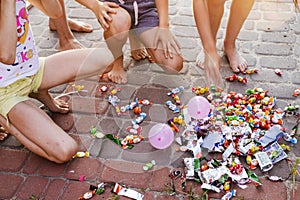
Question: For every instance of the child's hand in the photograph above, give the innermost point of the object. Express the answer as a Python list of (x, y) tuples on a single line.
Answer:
[(166, 41), (212, 69), (52, 8), (103, 12)]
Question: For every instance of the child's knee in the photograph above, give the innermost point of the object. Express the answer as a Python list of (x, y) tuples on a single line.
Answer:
[(121, 21), (66, 152), (172, 65)]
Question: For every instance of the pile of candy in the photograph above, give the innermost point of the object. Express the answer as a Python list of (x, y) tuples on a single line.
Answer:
[(239, 126)]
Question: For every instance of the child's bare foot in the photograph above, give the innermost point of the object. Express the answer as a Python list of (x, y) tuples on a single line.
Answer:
[(54, 105), (236, 61), (69, 43), (3, 134), (200, 59), (117, 74), (74, 25), (140, 54)]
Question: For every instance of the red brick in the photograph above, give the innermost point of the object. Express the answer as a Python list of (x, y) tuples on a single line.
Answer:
[(74, 190), (89, 105), (33, 164), (159, 179), (166, 197), (49, 168), (12, 160), (127, 173), (83, 141), (84, 123), (54, 189), (33, 186), (89, 167), (9, 184), (89, 87), (294, 193), (268, 191), (65, 121)]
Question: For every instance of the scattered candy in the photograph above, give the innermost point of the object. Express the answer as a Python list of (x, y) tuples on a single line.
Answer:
[(81, 154), (235, 77), (296, 92), (278, 72), (149, 165), (250, 71), (123, 191), (78, 87), (200, 90), (81, 178), (172, 107)]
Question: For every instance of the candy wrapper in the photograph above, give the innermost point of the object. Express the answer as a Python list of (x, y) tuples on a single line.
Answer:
[(275, 152), (264, 161), (123, 191)]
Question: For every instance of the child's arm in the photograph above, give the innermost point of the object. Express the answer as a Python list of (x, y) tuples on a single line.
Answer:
[(169, 44), (102, 10), (52, 8), (8, 31)]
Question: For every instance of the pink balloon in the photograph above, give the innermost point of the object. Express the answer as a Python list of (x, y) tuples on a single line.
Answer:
[(198, 107), (161, 136)]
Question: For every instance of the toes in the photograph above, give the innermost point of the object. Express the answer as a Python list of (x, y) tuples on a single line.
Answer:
[(235, 69), (243, 66)]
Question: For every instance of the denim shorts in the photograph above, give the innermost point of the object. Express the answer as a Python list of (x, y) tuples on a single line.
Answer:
[(19, 91), (147, 16)]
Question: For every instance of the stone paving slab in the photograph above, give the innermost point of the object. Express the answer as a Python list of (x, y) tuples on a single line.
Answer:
[(269, 40)]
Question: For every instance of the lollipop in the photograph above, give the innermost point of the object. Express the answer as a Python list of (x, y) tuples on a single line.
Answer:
[(161, 136), (198, 107)]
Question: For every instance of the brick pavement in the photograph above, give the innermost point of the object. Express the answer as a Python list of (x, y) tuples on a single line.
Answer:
[(269, 39)]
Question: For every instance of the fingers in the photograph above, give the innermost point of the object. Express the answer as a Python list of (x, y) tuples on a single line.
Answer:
[(112, 4)]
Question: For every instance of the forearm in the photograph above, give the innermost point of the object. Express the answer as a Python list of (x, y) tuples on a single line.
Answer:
[(51, 8), (8, 31), (90, 4), (163, 12), (203, 25)]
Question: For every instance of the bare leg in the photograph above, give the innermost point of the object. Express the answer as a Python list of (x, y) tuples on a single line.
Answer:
[(118, 29), (39, 133), (74, 25), (66, 37), (75, 65), (208, 16), (170, 65), (208, 24), (138, 50), (36, 130), (238, 13)]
